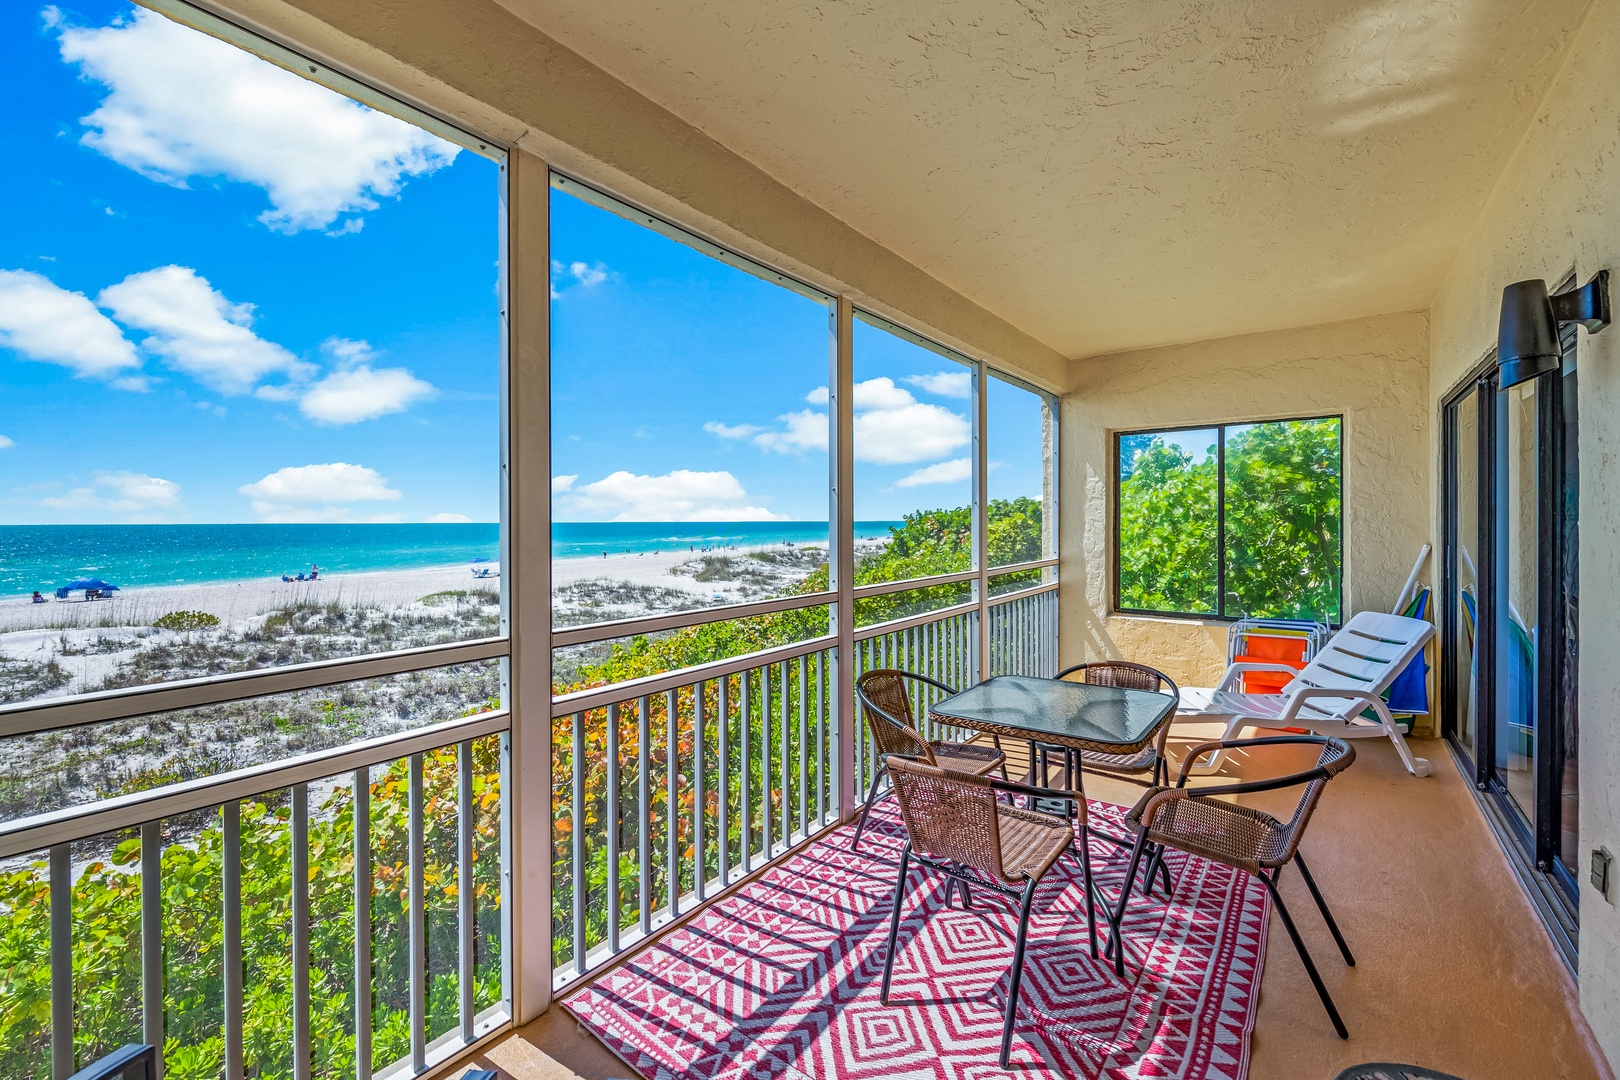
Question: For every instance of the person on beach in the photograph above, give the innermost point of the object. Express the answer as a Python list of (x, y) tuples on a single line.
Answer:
[(39, 598)]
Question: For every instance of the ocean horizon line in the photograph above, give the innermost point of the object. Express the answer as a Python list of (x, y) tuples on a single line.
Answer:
[(134, 556)]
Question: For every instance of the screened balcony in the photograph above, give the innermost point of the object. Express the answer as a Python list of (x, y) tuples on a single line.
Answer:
[(630, 387)]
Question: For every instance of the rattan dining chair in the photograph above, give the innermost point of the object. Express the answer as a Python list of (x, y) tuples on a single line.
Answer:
[(886, 702), (1193, 820), (956, 826), (1150, 759)]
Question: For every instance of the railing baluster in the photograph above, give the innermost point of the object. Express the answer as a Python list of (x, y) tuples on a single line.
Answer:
[(672, 812), (61, 871), (804, 745), (303, 1055), (576, 831), (787, 745), (700, 857), (362, 924), (745, 803), (821, 741), (644, 815), (767, 775), (418, 918), (610, 819), (152, 939), (723, 777), (231, 934), (466, 925)]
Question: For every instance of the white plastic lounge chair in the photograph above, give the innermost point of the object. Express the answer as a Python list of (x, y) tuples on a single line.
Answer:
[(1329, 696)]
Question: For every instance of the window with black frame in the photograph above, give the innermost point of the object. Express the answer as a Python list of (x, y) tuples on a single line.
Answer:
[(1230, 520)]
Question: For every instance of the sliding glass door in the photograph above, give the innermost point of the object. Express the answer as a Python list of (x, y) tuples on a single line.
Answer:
[(1512, 593)]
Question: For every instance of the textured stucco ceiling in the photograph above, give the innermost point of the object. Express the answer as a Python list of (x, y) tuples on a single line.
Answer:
[(1113, 175)]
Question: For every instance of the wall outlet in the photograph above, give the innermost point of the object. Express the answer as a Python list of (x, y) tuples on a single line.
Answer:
[(1602, 872)]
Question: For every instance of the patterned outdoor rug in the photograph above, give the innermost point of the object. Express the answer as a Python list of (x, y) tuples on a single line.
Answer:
[(781, 980)]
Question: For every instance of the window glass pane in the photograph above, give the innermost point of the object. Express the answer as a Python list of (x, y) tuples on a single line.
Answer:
[(913, 449), (1168, 521), (689, 424), (231, 296), (1019, 442), (54, 769), (1282, 520)]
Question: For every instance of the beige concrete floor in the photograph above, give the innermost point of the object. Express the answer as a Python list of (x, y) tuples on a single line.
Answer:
[(1453, 972)]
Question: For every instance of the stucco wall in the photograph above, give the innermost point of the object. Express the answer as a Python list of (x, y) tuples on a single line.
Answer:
[(479, 65), (1372, 371), (1557, 208)]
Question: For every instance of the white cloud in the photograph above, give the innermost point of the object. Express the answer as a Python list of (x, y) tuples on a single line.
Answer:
[(448, 519), (5, 443), (946, 472), (195, 329), (42, 321), (954, 384), (801, 431), (131, 494), (318, 492), (181, 104), (878, 393), (357, 391), (731, 431), (586, 275), (563, 483), (891, 427), (681, 495), (909, 434)]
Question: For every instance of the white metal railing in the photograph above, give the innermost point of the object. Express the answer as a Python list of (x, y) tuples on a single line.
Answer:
[(409, 819), (671, 788), (668, 790)]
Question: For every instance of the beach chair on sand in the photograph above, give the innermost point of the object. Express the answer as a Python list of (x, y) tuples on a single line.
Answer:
[(1333, 693)]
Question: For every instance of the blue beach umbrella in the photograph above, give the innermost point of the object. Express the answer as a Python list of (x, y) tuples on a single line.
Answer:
[(79, 584)]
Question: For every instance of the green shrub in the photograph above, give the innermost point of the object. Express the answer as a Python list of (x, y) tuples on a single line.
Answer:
[(186, 621)]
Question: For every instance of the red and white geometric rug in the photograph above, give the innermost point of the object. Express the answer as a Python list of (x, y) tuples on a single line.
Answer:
[(781, 979)]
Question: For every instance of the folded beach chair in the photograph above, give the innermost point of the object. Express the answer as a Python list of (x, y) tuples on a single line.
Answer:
[(1334, 692)]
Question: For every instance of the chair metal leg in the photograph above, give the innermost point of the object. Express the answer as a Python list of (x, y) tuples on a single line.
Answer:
[(1116, 935), (1321, 905), (894, 921), (1017, 971), (1084, 857), (1305, 957), (995, 740), (871, 797), (967, 897), (1157, 867)]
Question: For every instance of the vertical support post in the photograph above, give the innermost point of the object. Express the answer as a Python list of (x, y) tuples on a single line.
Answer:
[(362, 923), (526, 781), (576, 838), (784, 682), (61, 871), (303, 1056), (611, 821), (672, 776), (723, 778), (804, 746), (766, 772), (230, 874), (981, 514), (466, 915), (643, 817), (152, 939), (700, 862), (841, 552), (417, 858), (745, 807)]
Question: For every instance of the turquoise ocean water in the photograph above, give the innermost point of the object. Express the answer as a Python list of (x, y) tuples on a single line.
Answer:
[(44, 557)]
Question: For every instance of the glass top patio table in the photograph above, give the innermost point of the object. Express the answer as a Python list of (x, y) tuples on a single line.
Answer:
[(1101, 719)]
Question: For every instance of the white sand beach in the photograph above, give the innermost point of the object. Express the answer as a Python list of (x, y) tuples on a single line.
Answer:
[(640, 582)]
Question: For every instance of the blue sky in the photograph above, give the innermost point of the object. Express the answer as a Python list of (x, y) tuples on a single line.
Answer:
[(687, 388), (227, 294), (140, 385)]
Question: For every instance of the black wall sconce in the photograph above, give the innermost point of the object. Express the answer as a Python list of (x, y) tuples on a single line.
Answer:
[(1527, 338)]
